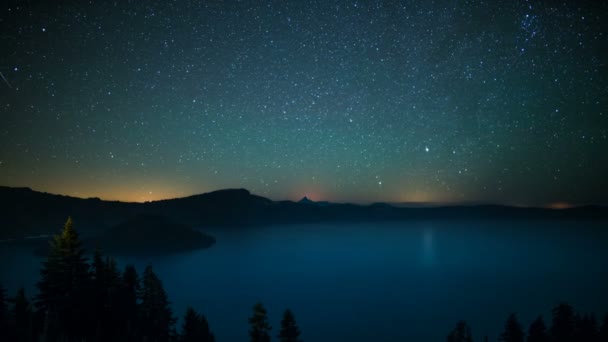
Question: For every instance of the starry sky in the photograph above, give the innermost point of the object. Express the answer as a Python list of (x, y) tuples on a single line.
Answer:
[(361, 101)]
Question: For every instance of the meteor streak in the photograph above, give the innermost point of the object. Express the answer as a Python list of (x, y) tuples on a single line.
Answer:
[(5, 80)]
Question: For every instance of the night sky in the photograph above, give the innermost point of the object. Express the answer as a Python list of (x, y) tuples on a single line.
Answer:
[(362, 101)]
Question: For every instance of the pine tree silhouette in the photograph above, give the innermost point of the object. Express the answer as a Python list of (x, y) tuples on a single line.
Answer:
[(259, 328), (289, 329), (130, 292), (112, 322), (538, 331), (99, 292), (586, 328), (22, 317), (604, 329), (3, 315), (195, 328), (462, 333), (562, 328), (206, 334), (156, 316), (190, 328), (513, 330), (63, 288)]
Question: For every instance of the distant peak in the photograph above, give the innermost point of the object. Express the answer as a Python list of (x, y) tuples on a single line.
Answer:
[(306, 200)]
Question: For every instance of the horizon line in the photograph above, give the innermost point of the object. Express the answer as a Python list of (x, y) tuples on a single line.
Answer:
[(553, 205)]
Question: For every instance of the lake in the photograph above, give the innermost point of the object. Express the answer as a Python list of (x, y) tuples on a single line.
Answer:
[(380, 281)]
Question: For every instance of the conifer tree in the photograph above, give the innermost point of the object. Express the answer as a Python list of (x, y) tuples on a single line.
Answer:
[(22, 318), (462, 333), (113, 285), (538, 331), (513, 330), (63, 288), (562, 328), (195, 328), (206, 334), (130, 292), (604, 329), (3, 314), (259, 330), (156, 316), (586, 328), (114, 324), (99, 292), (98, 267), (190, 327), (289, 329)]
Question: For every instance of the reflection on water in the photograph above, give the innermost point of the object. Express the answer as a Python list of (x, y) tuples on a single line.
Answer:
[(381, 282), (427, 246)]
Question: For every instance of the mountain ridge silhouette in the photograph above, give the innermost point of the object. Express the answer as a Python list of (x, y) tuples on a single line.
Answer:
[(28, 212)]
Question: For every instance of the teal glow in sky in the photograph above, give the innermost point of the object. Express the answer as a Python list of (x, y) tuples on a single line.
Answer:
[(423, 101)]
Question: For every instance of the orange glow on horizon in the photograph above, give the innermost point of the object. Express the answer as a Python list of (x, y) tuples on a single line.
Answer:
[(560, 205), (422, 197), (153, 191)]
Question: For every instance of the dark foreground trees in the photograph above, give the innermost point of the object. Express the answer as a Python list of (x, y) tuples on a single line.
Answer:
[(513, 331), (564, 320), (82, 301), (196, 328), (566, 326), (604, 329), (21, 318), (156, 318), (259, 328), (63, 300), (289, 329), (538, 331), (92, 301), (78, 301), (462, 333), (3, 312)]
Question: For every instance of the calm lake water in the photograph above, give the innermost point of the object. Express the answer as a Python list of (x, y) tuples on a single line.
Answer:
[(378, 282)]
